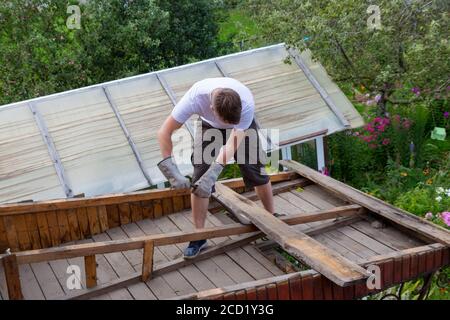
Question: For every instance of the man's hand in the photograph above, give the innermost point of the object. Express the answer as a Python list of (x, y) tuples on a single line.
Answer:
[(202, 188), (171, 172)]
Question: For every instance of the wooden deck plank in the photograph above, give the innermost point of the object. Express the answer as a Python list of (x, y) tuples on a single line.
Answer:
[(233, 270), (378, 234), (347, 237), (190, 272), (47, 280), (386, 210), (250, 249), (160, 286), (30, 286), (335, 267)]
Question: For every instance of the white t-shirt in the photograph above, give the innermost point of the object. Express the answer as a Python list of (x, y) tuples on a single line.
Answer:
[(198, 101)]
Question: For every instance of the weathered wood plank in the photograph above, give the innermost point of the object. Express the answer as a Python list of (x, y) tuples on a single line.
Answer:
[(33, 231), (335, 267), (74, 227), (103, 218), (376, 205), (113, 215), (83, 222), (90, 267), (94, 224), (147, 263), (12, 276), (44, 232)]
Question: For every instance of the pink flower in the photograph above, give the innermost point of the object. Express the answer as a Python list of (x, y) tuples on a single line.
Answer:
[(446, 114), (397, 118), (429, 216), (416, 91), (446, 217), (406, 123), (386, 141)]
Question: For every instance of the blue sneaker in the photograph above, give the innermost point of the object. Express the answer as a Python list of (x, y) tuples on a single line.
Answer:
[(194, 249)]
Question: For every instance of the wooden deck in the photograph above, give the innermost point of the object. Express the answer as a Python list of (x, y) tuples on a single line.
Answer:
[(357, 240)]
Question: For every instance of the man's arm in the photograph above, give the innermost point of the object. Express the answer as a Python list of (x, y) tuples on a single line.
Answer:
[(167, 165), (165, 136)]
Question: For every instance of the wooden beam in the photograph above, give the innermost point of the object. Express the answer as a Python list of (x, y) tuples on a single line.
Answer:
[(253, 284), (62, 204), (90, 267), (134, 148), (208, 253), (165, 267), (147, 263), (86, 249), (338, 269), (386, 210), (12, 277)]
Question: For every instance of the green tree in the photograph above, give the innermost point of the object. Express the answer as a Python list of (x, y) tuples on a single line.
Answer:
[(40, 55), (411, 49)]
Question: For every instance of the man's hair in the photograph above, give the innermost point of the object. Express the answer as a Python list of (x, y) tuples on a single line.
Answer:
[(228, 105)]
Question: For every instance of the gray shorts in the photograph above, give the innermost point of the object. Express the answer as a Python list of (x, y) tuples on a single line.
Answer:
[(252, 167)]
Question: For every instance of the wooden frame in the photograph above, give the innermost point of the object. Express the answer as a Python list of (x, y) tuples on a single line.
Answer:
[(428, 258)]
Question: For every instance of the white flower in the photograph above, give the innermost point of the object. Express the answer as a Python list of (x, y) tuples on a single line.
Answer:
[(438, 198), (440, 190)]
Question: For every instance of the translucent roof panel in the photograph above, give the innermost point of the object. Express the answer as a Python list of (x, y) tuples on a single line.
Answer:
[(93, 149), (26, 169), (95, 153), (144, 105), (285, 99)]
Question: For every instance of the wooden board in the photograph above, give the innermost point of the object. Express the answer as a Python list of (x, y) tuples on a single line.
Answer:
[(335, 267), (376, 205)]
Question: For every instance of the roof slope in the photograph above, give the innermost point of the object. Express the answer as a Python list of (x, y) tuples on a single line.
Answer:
[(102, 139)]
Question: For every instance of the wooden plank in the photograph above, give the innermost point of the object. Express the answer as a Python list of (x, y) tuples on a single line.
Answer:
[(12, 276), (3, 237), (147, 209), (396, 215), (44, 232), (147, 263), (109, 199), (22, 232), (178, 204), (90, 267), (71, 251), (83, 222), (103, 218), (167, 205), (74, 227), (335, 267), (113, 215), (63, 224), (53, 228), (164, 268), (283, 290), (136, 211), (94, 224), (124, 213), (158, 209), (33, 230)]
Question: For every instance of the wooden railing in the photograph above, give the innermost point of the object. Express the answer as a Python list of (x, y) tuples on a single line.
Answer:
[(11, 261)]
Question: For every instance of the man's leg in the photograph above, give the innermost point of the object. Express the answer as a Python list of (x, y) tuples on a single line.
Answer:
[(265, 194), (199, 210)]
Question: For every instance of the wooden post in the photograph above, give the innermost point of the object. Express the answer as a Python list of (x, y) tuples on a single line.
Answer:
[(147, 263), (12, 277), (90, 267)]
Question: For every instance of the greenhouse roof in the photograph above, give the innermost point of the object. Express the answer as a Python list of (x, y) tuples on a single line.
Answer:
[(102, 139)]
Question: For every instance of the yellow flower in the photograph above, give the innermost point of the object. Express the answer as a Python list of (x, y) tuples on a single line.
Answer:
[(429, 181), (403, 174), (426, 171)]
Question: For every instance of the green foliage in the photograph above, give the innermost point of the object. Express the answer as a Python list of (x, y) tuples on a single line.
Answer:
[(118, 38), (410, 49)]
